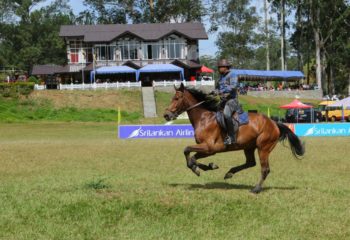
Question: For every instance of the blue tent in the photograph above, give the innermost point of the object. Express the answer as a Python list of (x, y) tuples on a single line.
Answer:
[(159, 68), (268, 74), (113, 70)]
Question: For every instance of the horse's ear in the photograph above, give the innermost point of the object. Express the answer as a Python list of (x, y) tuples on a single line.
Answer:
[(182, 87)]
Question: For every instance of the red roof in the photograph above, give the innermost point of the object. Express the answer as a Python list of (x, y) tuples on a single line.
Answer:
[(205, 69), (295, 104)]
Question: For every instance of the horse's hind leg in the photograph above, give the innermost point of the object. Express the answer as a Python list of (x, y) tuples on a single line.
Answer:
[(265, 169), (250, 162)]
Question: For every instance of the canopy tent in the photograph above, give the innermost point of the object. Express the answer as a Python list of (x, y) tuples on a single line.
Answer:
[(112, 70), (160, 68), (345, 103), (252, 75), (296, 104), (205, 69)]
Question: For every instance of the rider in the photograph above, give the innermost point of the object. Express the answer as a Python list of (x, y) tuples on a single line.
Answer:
[(227, 87)]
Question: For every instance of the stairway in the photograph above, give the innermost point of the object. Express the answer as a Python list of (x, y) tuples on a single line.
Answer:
[(149, 103)]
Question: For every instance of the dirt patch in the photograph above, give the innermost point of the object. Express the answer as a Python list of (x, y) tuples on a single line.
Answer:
[(129, 100)]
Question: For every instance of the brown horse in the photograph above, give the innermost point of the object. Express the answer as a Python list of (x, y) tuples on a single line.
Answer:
[(260, 133)]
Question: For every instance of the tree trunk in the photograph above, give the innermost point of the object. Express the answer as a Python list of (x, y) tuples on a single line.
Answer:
[(331, 80), (299, 26), (282, 36), (349, 86), (315, 21), (325, 85), (151, 7), (267, 35)]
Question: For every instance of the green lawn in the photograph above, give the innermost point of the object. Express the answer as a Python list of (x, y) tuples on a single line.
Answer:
[(102, 106), (78, 181)]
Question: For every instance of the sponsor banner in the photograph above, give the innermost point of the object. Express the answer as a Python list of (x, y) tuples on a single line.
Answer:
[(156, 131), (322, 129), (186, 130)]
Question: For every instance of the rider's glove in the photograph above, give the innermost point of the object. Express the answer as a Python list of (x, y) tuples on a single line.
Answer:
[(213, 93)]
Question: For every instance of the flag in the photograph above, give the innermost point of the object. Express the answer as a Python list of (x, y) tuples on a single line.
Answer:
[(119, 116)]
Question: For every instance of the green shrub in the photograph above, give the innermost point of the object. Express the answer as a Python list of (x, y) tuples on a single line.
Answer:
[(34, 80), (17, 89)]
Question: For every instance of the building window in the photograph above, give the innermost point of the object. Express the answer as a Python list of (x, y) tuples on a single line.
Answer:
[(74, 56), (175, 48)]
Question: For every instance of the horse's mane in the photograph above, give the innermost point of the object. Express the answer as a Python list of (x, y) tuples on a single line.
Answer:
[(210, 103)]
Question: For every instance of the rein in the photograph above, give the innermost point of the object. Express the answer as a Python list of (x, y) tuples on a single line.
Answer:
[(194, 106)]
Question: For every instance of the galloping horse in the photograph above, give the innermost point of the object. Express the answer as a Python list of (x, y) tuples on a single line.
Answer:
[(260, 133)]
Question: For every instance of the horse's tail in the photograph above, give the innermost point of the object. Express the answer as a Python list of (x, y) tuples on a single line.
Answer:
[(297, 147)]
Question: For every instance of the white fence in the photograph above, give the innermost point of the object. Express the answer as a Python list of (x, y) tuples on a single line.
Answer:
[(186, 83), (125, 85), (93, 86)]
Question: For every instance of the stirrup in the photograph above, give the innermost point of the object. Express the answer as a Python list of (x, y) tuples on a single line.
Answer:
[(229, 140)]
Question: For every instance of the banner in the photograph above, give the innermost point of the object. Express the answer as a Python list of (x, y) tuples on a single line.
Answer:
[(186, 130), (156, 131), (322, 129)]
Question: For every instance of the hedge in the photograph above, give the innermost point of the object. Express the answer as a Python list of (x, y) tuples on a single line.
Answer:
[(16, 89)]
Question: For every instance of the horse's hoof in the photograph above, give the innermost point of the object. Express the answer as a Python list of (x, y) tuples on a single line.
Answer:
[(228, 175), (256, 189), (196, 171), (213, 166)]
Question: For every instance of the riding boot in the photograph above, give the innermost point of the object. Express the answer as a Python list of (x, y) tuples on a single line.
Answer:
[(231, 136)]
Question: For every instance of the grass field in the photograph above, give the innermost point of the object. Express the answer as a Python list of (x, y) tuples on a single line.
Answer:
[(103, 105), (78, 181)]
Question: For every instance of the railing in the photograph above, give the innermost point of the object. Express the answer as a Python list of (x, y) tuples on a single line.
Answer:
[(126, 85), (94, 86), (39, 87), (186, 83)]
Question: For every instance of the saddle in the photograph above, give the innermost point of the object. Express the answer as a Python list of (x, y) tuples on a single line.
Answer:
[(241, 117)]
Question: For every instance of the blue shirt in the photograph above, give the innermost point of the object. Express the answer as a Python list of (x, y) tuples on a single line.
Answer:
[(227, 83)]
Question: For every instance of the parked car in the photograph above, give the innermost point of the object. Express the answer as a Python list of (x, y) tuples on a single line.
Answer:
[(303, 115)]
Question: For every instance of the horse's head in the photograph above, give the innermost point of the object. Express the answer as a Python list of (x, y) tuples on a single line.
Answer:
[(178, 104)]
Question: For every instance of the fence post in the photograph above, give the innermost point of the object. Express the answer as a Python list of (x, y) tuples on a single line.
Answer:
[(117, 84), (106, 86), (60, 86), (71, 86), (129, 84)]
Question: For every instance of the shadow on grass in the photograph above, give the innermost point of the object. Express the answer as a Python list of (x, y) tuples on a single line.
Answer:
[(225, 186)]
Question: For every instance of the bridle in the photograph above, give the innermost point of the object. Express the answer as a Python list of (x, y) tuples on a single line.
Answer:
[(194, 106), (189, 108)]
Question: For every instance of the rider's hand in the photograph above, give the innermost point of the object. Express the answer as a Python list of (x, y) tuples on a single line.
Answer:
[(213, 93)]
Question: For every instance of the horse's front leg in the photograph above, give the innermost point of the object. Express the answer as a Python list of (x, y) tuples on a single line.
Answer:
[(210, 166), (201, 150)]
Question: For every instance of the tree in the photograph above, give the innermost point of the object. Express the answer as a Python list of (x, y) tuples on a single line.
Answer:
[(330, 24), (236, 22), (34, 38), (146, 11)]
